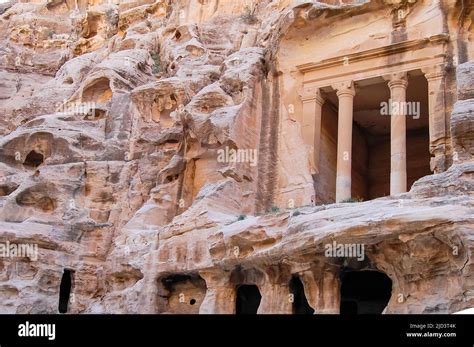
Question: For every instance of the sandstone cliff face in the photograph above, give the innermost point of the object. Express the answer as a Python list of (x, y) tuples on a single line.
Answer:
[(115, 116)]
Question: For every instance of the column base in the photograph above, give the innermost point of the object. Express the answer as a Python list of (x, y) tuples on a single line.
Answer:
[(398, 183), (343, 188)]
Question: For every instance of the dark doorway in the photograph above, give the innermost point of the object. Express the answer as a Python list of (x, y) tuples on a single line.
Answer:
[(248, 299), (300, 304), (364, 292), (65, 291)]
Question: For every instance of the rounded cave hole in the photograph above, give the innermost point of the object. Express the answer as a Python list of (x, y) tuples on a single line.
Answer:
[(192, 301), (46, 204), (68, 80), (95, 114), (33, 159), (171, 178), (8, 188), (364, 292), (37, 197), (98, 91)]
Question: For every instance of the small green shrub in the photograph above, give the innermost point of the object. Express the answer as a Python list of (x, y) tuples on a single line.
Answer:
[(241, 217), (273, 209), (156, 68)]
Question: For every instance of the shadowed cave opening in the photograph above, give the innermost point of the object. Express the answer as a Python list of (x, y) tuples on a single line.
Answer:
[(65, 291), (97, 91), (248, 299), (364, 292), (8, 188), (300, 303), (38, 197), (162, 109), (33, 159), (94, 22)]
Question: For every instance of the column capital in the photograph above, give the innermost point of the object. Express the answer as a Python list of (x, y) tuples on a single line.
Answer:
[(215, 277), (276, 274), (397, 79), (344, 88), (309, 94), (434, 72)]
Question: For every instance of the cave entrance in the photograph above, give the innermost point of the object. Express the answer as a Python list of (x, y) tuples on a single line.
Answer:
[(364, 292), (248, 299), (65, 291), (33, 159), (184, 293), (300, 303)]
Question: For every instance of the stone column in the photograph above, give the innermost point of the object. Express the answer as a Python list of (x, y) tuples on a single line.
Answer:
[(275, 291), (437, 116), (311, 124), (276, 299), (322, 289), (398, 137), (345, 93), (220, 295)]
